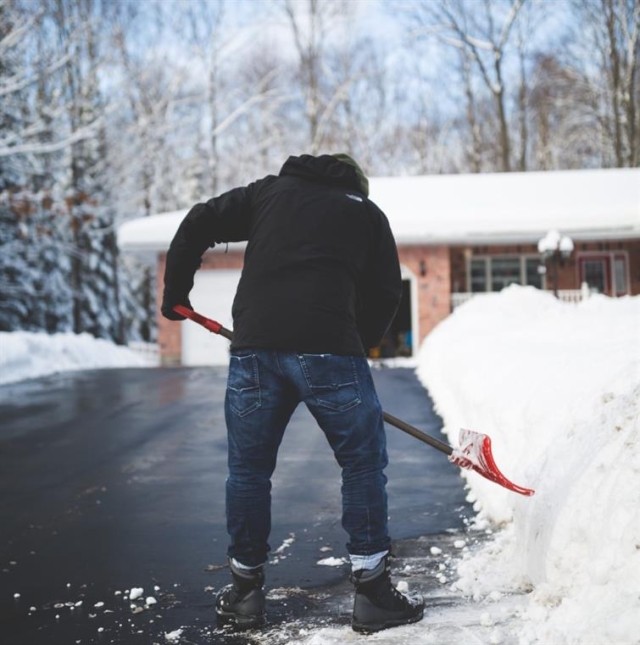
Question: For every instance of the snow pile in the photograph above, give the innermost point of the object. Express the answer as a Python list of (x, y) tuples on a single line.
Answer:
[(557, 387), (26, 355)]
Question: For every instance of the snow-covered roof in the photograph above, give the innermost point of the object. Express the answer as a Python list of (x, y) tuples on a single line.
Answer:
[(490, 208), (153, 233)]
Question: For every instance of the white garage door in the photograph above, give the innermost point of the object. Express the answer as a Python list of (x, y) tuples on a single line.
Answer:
[(212, 296)]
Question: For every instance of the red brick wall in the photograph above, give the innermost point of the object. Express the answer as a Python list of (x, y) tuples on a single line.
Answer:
[(432, 269)]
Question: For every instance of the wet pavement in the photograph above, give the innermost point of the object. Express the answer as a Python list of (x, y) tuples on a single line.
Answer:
[(113, 480)]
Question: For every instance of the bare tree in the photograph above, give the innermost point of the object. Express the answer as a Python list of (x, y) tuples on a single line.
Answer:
[(364, 108), (542, 103), (39, 61), (150, 90), (521, 101), (206, 39), (474, 149), (481, 31), (610, 29), (308, 21), (264, 126), (562, 116), (313, 23)]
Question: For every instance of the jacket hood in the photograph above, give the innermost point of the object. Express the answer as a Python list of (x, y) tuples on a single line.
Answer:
[(326, 169)]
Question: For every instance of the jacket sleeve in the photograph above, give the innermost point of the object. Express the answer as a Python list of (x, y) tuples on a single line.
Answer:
[(382, 287), (222, 219)]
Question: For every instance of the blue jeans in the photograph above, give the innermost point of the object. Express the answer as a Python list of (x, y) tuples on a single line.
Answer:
[(263, 390)]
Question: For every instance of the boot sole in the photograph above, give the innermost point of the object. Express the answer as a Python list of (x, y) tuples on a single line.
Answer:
[(371, 628), (240, 623)]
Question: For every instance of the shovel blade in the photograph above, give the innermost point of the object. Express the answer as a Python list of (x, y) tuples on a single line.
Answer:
[(475, 454)]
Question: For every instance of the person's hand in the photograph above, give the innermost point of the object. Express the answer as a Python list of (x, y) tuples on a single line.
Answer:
[(168, 305)]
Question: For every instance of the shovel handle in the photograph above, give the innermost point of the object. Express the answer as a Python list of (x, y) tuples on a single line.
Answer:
[(417, 434), (476, 455), (212, 325)]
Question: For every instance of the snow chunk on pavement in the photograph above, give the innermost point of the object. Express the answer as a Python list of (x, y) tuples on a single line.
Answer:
[(331, 562), (286, 544)]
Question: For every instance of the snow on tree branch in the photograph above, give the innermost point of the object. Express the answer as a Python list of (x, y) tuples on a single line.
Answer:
[(56, 146)]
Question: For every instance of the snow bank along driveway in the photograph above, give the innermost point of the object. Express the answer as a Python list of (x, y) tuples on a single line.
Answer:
[(557, 387)]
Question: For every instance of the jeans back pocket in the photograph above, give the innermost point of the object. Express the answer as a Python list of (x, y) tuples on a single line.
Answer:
[(243, 384), (332, 380)]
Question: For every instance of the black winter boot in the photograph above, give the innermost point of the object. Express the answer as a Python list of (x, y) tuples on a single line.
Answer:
[(378, 604), (242, 604)]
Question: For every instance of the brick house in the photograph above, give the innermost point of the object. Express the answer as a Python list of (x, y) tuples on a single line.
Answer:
[(458, 236)]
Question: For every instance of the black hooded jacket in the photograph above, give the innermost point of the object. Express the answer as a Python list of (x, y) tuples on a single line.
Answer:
[(321, 271)]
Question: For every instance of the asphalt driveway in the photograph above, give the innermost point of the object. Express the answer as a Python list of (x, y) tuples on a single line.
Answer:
[(113, 480)]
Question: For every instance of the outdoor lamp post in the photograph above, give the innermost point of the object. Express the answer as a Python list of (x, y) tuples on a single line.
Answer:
[(555, 248)]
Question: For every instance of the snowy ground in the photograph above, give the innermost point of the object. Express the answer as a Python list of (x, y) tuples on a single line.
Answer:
[(557, 387), (26, 355)]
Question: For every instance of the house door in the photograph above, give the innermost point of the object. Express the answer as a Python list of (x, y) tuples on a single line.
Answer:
[(398, 341), (605, 272), (620, 272)]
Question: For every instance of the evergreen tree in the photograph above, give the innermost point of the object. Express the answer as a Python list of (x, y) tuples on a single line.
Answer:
[(94, 260), (33, 269)]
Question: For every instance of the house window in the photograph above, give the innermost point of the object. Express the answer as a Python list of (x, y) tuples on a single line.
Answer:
[(497, 272), (605, 273), (505, 271), (478, 275), (533, 276)]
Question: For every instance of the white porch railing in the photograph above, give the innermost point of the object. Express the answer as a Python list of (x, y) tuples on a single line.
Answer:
[(572, 295), (566, 295)]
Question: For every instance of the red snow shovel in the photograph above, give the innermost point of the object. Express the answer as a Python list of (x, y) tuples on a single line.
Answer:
[(474, 452)]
